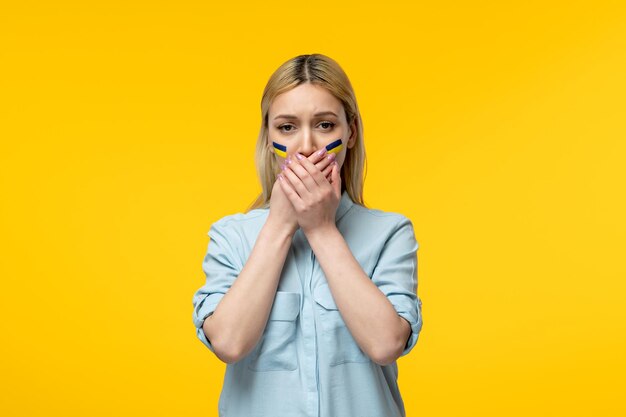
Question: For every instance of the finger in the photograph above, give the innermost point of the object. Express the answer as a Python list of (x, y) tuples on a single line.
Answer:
[(336, 180), (288, 189), (321, 160), (304, 173), (295, 181), (315, 157), (327, 171), (314, 171)]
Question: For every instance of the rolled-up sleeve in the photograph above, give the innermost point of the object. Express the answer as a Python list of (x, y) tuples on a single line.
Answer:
[(221, 268), (395, 274)]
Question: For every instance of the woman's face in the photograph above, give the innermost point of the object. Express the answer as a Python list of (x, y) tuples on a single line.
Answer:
[(307, 118)]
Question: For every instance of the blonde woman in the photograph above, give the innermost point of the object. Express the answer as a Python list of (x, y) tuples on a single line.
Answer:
[(310, 296)]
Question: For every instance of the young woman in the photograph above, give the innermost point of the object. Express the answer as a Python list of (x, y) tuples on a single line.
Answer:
[(310, 296)]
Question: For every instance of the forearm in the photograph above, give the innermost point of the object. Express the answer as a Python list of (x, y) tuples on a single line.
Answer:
[(238, 322), (368, 314)]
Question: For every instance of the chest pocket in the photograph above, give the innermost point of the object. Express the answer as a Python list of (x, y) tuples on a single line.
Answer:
[(276, 351), (340, 344)]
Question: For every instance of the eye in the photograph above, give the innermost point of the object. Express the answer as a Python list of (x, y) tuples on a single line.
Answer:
[(285, 125), (328, 123)]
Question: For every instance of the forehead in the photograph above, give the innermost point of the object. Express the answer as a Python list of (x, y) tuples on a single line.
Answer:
[(305, 99)]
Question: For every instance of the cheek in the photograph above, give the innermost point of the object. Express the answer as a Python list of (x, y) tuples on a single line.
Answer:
[(340, 160), (279, 151), (278, 160), (342, 157)]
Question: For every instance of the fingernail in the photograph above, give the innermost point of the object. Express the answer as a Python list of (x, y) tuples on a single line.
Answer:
[(287, 161), (322, 152), (299, 156), (331, 157), (282, 166)]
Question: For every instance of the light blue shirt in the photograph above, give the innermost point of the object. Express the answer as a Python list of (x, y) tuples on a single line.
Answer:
[(307, 363)]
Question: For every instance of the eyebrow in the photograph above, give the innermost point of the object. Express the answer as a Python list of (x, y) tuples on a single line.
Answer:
[(291, 116)]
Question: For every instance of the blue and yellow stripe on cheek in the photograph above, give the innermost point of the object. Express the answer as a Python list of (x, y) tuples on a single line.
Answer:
[(334, 147), (280, 150)]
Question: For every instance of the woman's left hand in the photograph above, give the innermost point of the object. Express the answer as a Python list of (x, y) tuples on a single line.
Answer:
[(313, 197)]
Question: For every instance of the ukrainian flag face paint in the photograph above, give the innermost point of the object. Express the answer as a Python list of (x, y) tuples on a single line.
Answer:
[(333, 147), (280, 150)]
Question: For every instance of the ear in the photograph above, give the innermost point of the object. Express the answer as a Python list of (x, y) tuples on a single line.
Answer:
[(353, 132), (270, 147)]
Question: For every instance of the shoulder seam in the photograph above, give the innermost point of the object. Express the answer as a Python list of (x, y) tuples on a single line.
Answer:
[(232, 217), (381, 213)]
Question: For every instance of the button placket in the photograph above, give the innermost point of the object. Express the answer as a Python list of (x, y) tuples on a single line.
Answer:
[(303, 254)]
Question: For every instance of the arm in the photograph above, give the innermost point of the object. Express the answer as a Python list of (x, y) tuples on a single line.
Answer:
[(382, 313), (234, 320)]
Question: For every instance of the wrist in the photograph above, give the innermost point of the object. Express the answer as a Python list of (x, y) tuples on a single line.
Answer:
[(278, 230), (321, 232)]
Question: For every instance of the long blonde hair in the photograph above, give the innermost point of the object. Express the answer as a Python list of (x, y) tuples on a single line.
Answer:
[(320, 70)]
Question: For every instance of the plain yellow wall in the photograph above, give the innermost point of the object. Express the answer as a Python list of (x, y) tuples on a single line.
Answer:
[(127, 128)]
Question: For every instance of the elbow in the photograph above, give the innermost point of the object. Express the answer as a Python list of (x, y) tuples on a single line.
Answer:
[(227, 356), (386, 355), (386, 358), (225, 352), (389, 352), (221, 348)]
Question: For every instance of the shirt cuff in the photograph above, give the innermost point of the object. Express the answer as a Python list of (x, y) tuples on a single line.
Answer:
[(415, 320), (206, 309)]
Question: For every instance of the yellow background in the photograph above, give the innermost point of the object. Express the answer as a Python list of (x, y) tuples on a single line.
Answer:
[(127, 128)]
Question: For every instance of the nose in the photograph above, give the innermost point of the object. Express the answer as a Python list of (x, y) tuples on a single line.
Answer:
[(307, 145)]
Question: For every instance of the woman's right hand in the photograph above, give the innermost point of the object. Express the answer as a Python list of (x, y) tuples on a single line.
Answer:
[(282, 212)]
